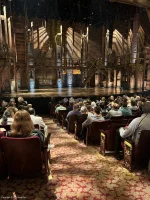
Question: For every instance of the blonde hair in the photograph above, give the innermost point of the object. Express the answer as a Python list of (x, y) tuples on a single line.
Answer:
[(22, 124), (20, 99)]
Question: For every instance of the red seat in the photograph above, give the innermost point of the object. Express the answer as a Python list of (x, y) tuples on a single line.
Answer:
[(137, 155), (93, 131), (23, 155), (2, 165), (80, 120), (108, 138), (71, 123), (61, 116)]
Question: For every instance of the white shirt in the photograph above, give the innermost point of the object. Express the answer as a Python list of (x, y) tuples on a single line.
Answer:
[(38, 120)]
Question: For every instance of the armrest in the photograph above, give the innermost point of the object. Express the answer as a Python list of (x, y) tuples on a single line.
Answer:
[(89, 129), (47, 140)]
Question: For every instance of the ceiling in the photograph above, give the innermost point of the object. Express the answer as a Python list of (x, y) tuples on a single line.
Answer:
[(140, 3), (95, 12)]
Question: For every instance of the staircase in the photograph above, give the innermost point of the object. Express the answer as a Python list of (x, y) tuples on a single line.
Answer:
[(21, 49), (94, 67)]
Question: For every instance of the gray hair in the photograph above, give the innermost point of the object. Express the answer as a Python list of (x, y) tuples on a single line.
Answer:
[(83, 109)]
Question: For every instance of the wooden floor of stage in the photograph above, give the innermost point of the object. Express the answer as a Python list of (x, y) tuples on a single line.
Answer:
[(68, 92)]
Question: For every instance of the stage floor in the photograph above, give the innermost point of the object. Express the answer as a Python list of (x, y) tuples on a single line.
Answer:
[(68, 92)]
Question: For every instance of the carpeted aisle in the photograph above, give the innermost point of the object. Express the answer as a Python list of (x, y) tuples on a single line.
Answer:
[(81, 173)]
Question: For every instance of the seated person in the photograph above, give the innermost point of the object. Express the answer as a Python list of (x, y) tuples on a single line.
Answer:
[(60, 107), (133, 106), (12, 103), (3, 107), (22, 126), (114, 112), (89, 110), (125, 110), (21, 102), (75, 111), (134, 129), (83, 111), (97, 117), (8, 115), (37, 120)]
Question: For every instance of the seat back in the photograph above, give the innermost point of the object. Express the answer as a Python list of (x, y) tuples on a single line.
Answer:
[(142, 150), (117, 120), (61, 114), (2, 164), (71, 123), (22, 155), (93, 131), (80, 120), (110, 136)]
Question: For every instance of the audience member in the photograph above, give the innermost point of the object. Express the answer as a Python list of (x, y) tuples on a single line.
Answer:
[(134, 129), (125, 110), (96, 117), (22, 126), (115, 111), (60, 107), (75, 111), (8, 115), (37, 120)]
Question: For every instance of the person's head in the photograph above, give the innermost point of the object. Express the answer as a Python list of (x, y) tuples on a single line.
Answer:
[(4, 103), (61, 103), (93, 104), (75, 107), (124, 104), (146, 107), (133, 103), (80, 104), (115, 106), (89, 108), (88, 102), (111, 98), (83, 110), (22, 124), (20, 99), (31, 111), (102, 105), (12, 102), (29, 106), (97, 110), (103, 99)]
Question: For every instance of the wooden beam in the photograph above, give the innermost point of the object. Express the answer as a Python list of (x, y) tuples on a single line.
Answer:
[(5, 24), (9, 32)]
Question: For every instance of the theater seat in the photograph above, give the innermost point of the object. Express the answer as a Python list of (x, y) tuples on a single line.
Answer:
[(71, 123), (2, 165), (80, 120), (107, 142), (137, 156), (23, 156), (93, 132)]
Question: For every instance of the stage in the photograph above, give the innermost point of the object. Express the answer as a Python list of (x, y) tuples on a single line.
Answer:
[(40, 98), (71, 92)]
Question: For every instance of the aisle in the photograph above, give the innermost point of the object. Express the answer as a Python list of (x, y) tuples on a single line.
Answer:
[(81, 173)]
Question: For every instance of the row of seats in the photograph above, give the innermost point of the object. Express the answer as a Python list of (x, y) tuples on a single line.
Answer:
[(103, 134)]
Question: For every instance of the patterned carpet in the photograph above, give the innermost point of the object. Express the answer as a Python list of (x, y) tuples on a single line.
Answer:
[(80, 173)]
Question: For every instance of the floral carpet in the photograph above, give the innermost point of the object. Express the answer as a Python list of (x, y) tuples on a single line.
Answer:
[(79, 173)]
